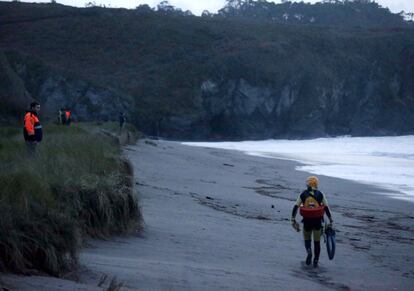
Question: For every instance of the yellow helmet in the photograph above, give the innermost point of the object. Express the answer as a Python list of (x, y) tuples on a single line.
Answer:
[(312, 181)]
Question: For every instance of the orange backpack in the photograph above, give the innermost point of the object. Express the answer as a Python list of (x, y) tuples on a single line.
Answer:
[(312, 206)]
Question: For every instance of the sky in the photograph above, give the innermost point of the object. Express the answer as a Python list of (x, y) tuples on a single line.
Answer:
[(197, 6)]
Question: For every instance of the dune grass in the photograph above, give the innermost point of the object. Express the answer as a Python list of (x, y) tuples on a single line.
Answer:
[(76, 186), (127, 135)]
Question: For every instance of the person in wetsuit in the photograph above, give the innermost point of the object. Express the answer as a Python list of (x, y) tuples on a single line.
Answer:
[(313, 205)]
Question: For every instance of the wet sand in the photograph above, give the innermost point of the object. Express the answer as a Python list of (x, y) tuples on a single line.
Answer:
[(210, 225)]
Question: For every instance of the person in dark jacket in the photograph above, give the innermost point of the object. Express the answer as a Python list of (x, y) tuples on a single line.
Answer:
[(122, 120), (32, 130)]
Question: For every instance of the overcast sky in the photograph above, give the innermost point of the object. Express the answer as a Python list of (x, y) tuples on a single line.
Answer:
[(197, 6)]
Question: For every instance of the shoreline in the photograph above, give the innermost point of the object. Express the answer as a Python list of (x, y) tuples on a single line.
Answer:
[(209, 224), (386, 191), (386, 162)]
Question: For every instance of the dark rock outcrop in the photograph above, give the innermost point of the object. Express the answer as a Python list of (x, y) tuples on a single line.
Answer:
[(238, 110), (14, 97), (28, 78)]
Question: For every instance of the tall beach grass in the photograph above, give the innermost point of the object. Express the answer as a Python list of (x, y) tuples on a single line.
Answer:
[(76, 186)]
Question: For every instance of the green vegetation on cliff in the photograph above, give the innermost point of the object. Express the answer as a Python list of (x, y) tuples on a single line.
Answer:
[(77, 186)]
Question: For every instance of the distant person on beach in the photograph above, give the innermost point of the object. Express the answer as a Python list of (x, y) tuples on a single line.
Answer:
[(32, 130), (313, 205), (122, 120)]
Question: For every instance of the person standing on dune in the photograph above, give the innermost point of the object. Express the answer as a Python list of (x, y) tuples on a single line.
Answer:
[(68, 115), (122, 120), (313, 205), (32, 130)]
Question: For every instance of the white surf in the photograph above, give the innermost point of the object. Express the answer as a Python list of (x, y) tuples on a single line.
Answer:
[(383, 161)]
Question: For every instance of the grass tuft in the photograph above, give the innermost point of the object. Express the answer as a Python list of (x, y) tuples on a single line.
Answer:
[(76, 186)]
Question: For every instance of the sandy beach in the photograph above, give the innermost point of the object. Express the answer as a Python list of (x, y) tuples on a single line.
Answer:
[(210, 225)]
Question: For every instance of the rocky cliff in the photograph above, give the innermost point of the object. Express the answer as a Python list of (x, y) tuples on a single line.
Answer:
[(27, 78), (187, 77)]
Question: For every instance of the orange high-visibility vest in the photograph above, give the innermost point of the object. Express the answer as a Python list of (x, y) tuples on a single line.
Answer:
[(32, 130), (29, 123)]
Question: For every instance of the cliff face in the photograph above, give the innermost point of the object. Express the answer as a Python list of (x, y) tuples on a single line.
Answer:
[(27, 78), (13, 94), (368, 94), (221, 77), (236, 109)]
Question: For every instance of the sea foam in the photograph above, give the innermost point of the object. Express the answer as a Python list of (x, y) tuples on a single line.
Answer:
[(387, 162)]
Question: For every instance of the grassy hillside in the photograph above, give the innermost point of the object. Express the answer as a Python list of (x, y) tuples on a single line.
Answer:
[(77, 186), (161, 61)]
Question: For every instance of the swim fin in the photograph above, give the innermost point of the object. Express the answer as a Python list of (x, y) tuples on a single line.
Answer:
[(330, 242)]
